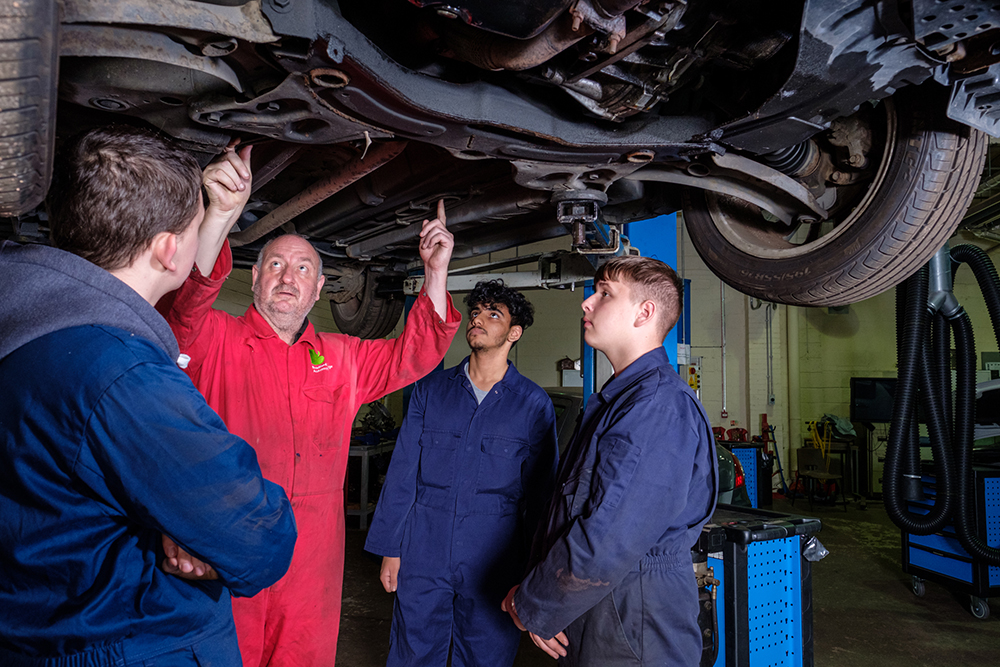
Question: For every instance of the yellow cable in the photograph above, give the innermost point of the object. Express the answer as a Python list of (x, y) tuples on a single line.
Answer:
[(822, 442)]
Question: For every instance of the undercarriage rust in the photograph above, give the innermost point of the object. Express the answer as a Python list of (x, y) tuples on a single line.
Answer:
[(364, 164)]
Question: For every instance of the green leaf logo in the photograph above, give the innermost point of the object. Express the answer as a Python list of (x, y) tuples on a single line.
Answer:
[(316, 357)]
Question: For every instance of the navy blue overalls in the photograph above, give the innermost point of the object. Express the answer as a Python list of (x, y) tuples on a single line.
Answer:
[(634, 489), (465, 489)]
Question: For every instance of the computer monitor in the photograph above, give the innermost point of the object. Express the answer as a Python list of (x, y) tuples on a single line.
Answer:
[(872, 399)]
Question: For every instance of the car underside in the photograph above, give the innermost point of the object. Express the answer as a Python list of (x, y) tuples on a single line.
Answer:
[(820, 151)]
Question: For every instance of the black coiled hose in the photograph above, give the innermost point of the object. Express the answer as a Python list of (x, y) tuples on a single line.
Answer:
[(965, 402), (986, 275), (915, 352), (914, 368), (910, 490), (941, 337)]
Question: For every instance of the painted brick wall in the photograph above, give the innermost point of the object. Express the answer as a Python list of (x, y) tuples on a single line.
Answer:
[(746, 352)]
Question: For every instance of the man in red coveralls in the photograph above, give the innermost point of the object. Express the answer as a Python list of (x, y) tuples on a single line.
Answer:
[(293, 394)]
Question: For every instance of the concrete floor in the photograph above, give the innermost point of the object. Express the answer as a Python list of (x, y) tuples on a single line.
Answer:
[(864, 611)]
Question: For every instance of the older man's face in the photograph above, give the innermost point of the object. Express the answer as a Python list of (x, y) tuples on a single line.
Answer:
[(288, 282)]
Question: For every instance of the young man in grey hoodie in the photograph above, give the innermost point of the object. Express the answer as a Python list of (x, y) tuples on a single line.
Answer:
[(128, 513)]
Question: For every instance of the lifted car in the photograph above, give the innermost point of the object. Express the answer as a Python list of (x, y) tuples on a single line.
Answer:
[(820, 150)]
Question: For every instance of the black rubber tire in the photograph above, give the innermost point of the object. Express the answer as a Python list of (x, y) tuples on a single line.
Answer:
[(926, 187), (368, 315), (29, 62)]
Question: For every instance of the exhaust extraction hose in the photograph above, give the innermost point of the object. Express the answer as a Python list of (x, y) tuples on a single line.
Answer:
[(986, 275), (965, 402), (914, 368), (923, 353)]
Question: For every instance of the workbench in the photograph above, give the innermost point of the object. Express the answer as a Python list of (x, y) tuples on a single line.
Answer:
[(365, 451)]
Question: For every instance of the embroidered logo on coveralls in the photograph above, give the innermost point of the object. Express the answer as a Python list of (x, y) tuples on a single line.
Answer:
[(317, 361)]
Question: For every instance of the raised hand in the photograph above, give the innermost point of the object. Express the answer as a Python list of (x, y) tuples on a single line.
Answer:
[(436, 242), (227, 185), (227, 181)]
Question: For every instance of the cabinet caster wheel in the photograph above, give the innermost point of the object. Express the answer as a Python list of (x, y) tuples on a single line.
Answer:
[(918, 587), (979, 607)]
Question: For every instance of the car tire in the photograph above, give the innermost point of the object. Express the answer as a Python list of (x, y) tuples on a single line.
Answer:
[(367, 315), (29, 60), (928, 172)]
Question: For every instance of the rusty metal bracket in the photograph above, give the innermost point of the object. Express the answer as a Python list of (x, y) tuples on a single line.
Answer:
[(323, 189)]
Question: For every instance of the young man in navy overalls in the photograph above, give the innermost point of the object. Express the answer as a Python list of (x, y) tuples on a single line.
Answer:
[(471, 472), (613, 584)]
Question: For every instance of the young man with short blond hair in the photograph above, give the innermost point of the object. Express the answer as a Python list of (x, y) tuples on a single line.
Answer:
[(613, 584), (109, 457)]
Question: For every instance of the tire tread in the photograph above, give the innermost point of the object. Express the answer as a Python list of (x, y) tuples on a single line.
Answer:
[(950, 162), (28, 71)]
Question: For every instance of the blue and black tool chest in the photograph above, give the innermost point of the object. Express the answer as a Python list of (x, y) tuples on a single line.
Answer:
[(764, 603)]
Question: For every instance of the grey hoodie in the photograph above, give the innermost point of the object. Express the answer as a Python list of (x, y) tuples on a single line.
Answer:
[(43, 290)]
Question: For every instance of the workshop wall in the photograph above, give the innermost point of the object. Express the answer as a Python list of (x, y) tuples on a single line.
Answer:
[(815, 351), (747, 395), (835, 345), (832, 346), (860, 341)]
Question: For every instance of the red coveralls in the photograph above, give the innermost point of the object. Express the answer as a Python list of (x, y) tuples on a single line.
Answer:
[(298, 416)]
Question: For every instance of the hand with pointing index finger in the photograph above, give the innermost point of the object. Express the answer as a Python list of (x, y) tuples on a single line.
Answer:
[(436, 242), (227, 183)]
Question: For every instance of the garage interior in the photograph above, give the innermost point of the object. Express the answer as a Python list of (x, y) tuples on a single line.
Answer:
[(778, 129), (793, 365)]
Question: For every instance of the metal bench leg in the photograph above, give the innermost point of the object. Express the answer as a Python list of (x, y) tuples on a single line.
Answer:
[(364, 491)]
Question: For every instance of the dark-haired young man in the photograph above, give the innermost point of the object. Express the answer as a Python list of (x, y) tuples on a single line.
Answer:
[(105, 446), (472, 468), (613, 584)]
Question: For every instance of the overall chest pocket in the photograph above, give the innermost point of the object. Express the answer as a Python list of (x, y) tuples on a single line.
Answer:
[(437, 458), (500, 466), (321, 404), (616, 467)]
